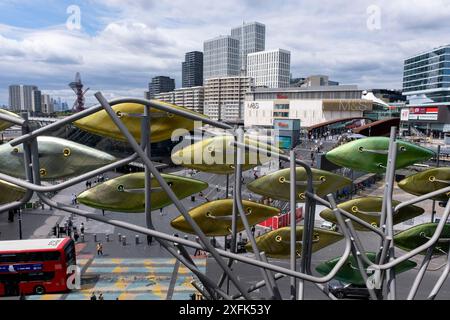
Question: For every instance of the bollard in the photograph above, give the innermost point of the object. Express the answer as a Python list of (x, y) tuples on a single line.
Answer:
[(137, 239), (124, 240), (120, 237), (95, 238), (107, 238)]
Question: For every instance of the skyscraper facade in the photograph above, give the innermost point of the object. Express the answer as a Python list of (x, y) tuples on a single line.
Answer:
[(21, 97), (36, 105), (192, 69), (270, 69), (221, 57), (252, 38), (160, 84), (225, 97), (426, 85)]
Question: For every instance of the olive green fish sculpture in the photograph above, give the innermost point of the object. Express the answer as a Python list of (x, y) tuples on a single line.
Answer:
[(428, 181), (162, 123), (58, 158), (10, 192), (349, 272), (276, 184), (217, 154), (276, 243), (370, 154), (214, 218), (127, 193), (368, 209), (6, 124), (416, 236)]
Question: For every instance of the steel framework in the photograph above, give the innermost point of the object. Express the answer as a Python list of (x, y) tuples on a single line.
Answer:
[(210, 288)]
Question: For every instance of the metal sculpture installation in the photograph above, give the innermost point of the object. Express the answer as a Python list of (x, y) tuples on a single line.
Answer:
[(419, 235), (10, 192), (127, 193), (215, 217), (276, 243), (350, 273), (138, 121), (216, 154), (428, 181), (369, 209), (371, 154), (276, 185), (5, 124), (162, 126), (58, 158)]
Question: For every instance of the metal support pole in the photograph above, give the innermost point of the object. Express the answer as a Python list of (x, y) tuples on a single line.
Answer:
[(238, 201), (433, 209), (293, 206), (441, 280), (423, 268), (173, 280)]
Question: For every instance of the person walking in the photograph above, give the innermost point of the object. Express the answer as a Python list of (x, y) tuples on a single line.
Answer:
[(93, 296), (82, 229), (100, 296), (76, 236), (161, 213), (99, 249)]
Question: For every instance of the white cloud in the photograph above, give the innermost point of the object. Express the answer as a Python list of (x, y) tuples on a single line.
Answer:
[(139, 39)]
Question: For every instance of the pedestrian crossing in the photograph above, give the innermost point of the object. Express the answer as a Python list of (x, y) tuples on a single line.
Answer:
[(130, 279)]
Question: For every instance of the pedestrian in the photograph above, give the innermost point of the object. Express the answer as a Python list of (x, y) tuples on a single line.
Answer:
[(253, 230), (87, 185), (103, 212), (149, 240), (99, 249), (93, 296), (161, 212), (82, 229), (75, 236), (100, 296)]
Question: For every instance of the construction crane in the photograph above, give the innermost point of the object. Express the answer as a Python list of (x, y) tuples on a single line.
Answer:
[(77, 87)]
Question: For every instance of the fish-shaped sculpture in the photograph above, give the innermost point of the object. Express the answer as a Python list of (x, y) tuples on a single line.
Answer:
[(162, 123), (217, 154), (428, 181), (370, 154), (369, 208), (10, 192), (276, 184), (418, 235), (214, 218), (276, 243), (349, 272), (127, 193), (58, 158), (6, 124)]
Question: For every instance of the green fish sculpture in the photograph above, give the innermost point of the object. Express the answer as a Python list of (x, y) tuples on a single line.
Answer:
[(370, 154), (276, 184), (428, 181), (162, 125), (214, 218), (6, 124), (10, 192), (58, 158), (369, 208), (416, 236), (127, 193), (217, 154), (276, 243), (349, 272)]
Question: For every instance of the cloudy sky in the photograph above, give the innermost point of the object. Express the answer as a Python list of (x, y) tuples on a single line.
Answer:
[(121, 44)]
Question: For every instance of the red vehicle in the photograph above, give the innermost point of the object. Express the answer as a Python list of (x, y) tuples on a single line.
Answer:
[(35, 266)]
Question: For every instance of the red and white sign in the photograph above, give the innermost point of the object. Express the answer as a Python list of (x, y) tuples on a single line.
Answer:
[(283, 220), (404, 115)]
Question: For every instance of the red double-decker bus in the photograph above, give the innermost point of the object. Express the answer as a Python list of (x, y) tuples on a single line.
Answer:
[(35, 266)]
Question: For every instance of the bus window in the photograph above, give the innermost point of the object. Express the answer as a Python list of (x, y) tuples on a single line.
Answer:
[(69, 251)]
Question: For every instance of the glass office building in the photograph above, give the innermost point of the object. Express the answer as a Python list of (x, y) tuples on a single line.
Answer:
[(252, 38), (426, 84)]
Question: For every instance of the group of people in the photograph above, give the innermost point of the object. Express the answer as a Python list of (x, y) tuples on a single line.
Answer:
[(100, 178), (94, 297)]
